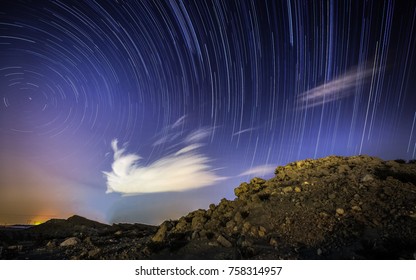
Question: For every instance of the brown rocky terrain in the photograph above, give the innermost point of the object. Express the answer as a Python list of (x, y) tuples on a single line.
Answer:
[(356, 207)]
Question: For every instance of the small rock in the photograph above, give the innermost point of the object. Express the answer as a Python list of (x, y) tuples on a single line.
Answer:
[(224, 242), (246, 227), (331, 196), (238, 217), (198, 222), (287, 189), (298, 190), (257, 180), (319, 251), (230, 225), (356, 208), (254, 231), (367, 178), (340, 211), (70, 242), (273, 242), (261, 233), (195, 234), (119, 232), (161, 233), (51, 244), (92, 253)]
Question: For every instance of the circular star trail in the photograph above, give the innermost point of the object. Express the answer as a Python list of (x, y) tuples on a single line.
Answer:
[(237, 86)]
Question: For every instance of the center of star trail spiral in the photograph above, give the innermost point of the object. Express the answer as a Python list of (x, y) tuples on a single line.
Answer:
[(236, 86)]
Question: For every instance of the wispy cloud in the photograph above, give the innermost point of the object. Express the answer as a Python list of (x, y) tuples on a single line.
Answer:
[(182, 170), (335, 89), (198, 135), (260, 170), (244, 131)]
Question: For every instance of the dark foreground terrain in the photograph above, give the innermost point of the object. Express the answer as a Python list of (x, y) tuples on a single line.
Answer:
[(332, 208)]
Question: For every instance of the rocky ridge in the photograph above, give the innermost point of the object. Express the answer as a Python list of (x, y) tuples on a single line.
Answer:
[(356, 207)]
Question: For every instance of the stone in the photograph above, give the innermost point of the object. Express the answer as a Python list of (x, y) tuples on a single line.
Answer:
[(298, 190), (331, 196), (223, 241), (340, 211), (356, 208), (238, 217), (319, 251), (51, 244), (257, 180), (273, 242), (161, 233), (94, 252), (246, 227), (230, 225), (261, 233), (367, 178), (72, 241), (243, 188), (287, 189), (198, 222)]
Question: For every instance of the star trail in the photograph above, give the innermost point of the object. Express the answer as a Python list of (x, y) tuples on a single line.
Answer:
[(139, 111)]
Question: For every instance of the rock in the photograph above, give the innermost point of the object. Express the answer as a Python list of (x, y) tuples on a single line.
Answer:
[(262, 231), (367, 178), (273, 242), (343, 168), (72, 241), (230, 225), (198, 222), (287, 189), (246, 227), (238, 217), (224, 242), (51, 244), (94, 252), (161, 233), (290, 216), (340, 211), (243, 188), (257, 180), (182, 225)]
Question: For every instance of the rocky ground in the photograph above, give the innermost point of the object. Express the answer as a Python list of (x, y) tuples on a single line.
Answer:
[(356, 207)]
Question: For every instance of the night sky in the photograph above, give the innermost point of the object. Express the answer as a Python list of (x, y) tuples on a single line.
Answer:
[(140, 111)]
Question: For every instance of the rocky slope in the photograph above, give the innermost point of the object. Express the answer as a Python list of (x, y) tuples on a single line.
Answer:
[(356, 207)]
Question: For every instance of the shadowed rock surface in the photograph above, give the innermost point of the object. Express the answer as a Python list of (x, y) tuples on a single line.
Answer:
[(356, 207)]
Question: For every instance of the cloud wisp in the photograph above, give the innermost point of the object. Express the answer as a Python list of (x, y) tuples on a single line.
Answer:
[(183, 170), (260, 170), (334, 90)]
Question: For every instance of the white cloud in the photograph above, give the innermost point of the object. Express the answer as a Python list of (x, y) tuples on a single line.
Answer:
[(243, 131), (335, 89), (260, 170), (198, 135), (184, 170)]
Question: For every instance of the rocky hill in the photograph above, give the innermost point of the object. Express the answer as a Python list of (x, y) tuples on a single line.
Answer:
[(356, 207)]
